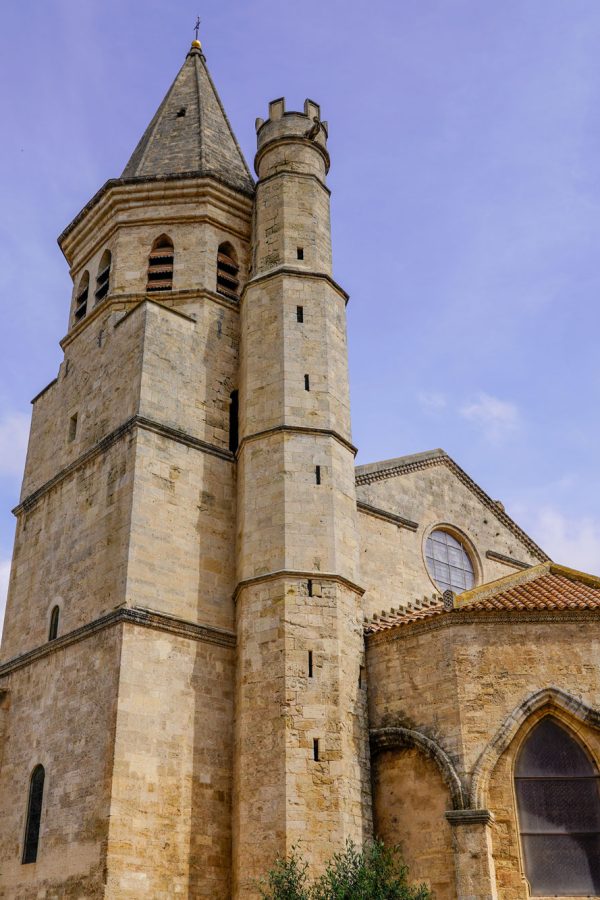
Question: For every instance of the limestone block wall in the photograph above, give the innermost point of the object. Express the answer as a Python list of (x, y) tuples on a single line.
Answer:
[(282, 793), (182, 536), (197, 214), (99, 381), (393, 566), (170, 813), (409, 802), (189, 367), (278, 351), (288, 521), (61, 714), (71, 550), (462, 685)]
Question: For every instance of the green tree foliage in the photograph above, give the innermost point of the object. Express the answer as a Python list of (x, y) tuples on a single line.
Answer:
[(374, 873)]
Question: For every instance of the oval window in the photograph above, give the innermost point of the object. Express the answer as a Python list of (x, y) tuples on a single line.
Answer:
[(448, 562)]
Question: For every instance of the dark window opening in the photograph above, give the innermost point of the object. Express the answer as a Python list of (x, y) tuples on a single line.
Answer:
[(103, 277), (227, 272), (34, 815), (73, 427), (306, 383), (300, 314), (310, 587), (181, 112), (318, 474), (233, 421), (82, 296), (310, 664), (53, 630), (160, 265), (558, 798), (316, 749), (300, 252)]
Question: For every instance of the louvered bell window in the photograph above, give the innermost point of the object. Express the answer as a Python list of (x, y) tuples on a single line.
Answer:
[(82, 297), (227, 272), (558, 797), (103, 277), (160, 266)]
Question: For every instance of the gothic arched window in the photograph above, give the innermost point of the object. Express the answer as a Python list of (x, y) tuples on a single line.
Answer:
[(160, 265), (227, 271), (34, 815), (103, 277), (53, 630), (82, 296), (558, 798)]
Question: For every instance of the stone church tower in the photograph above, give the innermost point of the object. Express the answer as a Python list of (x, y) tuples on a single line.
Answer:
[(223, 639)]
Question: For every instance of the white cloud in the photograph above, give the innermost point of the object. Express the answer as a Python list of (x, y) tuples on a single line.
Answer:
[(496, 418), (570, 541), (432, 401), (14, 431), (4, 573)]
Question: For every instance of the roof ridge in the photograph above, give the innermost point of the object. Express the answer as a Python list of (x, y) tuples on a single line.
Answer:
[(432, 458)]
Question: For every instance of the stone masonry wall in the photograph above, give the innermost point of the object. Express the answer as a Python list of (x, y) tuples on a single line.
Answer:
[(61, 714), (393, 568), (170, 814)]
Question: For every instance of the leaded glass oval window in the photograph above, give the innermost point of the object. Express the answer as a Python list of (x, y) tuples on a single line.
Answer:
[(558, 797), (448, 562)]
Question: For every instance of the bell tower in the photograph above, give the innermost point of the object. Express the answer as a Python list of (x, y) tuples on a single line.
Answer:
[(117, 662), (300, 747)]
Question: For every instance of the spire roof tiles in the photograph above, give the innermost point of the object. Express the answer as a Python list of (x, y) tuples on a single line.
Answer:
[(190, 133)]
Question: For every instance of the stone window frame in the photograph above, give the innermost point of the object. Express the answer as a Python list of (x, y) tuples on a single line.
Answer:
[(570, 724), (464, 539)]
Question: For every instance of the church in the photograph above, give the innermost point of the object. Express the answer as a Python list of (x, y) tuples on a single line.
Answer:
[(224, 639)]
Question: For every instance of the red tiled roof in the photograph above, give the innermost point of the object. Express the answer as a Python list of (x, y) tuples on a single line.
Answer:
[(544, 587)]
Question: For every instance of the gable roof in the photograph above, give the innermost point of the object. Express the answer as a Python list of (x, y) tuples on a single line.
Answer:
[(544, 587), (190, 133), (402, 465)]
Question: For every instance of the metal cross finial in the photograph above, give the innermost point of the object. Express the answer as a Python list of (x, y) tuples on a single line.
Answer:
[(197, 26)]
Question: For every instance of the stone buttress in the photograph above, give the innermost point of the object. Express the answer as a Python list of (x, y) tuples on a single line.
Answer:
[(301, 751)]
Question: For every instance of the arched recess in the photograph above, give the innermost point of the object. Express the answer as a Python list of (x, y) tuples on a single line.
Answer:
[(161, 263), (403, 738), (227, 271), (546, 699), (103, 277)]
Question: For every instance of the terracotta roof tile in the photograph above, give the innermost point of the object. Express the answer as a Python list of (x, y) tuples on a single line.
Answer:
[(544, 587)]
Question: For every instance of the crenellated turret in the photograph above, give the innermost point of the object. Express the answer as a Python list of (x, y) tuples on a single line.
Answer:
[(302, 775)]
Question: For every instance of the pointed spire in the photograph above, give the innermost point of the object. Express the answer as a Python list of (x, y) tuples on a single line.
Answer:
[(190, 132)]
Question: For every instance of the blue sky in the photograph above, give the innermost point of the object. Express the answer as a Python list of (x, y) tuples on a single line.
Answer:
[(466, 213)]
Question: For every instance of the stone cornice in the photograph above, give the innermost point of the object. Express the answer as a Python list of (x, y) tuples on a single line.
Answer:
[(400, 521), (102, 446), (297, 429), (371, 474), (481, 618), (118, 194), (507, 560), (127, 302), (295, 272), (469, 817), (305, 175), (298, 575), (144, 618)]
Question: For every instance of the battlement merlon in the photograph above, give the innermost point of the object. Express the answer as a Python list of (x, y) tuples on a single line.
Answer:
[(303, 128)]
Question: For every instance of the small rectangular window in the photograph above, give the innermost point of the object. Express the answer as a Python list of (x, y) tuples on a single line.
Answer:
[(306, 383), (310, 587), (318, 474), (300, 252), (233, 421), (300, 314), (316, 749), (73, 427), (361, 677), (310, 664)]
